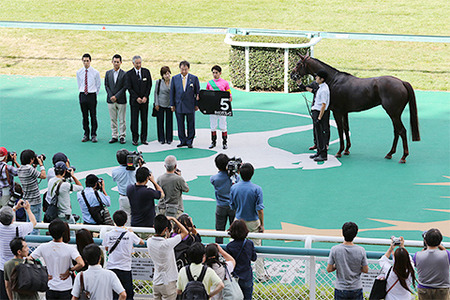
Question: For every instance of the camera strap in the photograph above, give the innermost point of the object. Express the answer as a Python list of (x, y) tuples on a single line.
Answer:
[(98, 199)]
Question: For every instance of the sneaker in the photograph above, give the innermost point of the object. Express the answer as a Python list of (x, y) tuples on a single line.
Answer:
[(313, 156), (94, 139), (85, 139)]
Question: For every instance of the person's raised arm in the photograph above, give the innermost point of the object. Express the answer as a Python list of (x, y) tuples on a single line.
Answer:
[(225, 255), (72, 173), (183, 231), (43, 175), (26, 205), (156, 185)]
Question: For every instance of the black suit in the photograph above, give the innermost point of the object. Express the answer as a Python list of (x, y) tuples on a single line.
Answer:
[(139, 87)]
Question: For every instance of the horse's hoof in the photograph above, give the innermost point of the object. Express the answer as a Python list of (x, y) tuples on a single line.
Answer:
[(346, 152), (402, 161), (388, 156), (338, 155)]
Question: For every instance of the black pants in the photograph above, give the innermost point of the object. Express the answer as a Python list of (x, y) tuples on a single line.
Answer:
[(141, 109), (190, 120), (326, 129), (165, 136), (223, 214), (51, 295), (126, 279), (88, 104), (319, 132), (3, 294)]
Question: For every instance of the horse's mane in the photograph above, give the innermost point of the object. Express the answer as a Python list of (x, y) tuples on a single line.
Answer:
[(333, 68)]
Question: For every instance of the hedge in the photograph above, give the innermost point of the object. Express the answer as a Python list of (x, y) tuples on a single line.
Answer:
[(266, 64)]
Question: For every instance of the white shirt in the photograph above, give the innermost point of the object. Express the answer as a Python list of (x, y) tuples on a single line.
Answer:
[(121, 257), (138, 72), (58, 259), (397, 292), (7, 234), (116, 74), (100, 283), (64, 194), (322, 96), (94, 82), (163, 257)]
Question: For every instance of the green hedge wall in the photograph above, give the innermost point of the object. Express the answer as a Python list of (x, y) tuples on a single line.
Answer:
[(266, 64)]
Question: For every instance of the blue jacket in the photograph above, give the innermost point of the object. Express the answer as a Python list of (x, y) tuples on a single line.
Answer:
[(184, 101)]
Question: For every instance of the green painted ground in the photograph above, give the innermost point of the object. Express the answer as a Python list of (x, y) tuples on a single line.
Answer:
[(43, 114)]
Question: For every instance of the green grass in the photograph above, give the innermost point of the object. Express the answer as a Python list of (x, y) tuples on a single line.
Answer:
[(57, 53)]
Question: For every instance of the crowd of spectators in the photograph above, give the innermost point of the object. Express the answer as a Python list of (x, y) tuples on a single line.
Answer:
[(183, 265)]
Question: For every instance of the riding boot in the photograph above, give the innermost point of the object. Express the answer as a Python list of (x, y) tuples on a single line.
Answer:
[(213, 139), (224, 140)]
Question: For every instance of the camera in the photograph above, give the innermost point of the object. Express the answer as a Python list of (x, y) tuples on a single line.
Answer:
[(395, 240), (68, 173), (233, 166), (9, 156), (134, 159), (42, 157)]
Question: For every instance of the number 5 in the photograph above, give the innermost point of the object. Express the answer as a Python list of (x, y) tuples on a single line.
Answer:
[(224, 105)]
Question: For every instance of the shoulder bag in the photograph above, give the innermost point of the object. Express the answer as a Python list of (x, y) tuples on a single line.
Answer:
[(116, 243), (84, 295), (99, 213), (379, 288), (52, 210), (29, 277), (232, 290)]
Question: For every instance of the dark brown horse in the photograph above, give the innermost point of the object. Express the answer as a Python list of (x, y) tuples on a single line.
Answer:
[(351, 94)]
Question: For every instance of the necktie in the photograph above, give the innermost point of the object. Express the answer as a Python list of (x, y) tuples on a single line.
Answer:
[(139, 75), (184, 83), (85, 83)]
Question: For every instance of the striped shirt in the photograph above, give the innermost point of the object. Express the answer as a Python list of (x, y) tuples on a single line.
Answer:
[(7, 234), (28, 176), (3, 178)]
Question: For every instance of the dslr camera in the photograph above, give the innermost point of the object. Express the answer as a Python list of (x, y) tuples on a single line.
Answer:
[(68, 173), (233, 166), (42, 157), (9, 156), (134, 159)]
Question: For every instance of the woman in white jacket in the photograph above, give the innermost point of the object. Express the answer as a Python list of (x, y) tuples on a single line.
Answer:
[(401, 275)]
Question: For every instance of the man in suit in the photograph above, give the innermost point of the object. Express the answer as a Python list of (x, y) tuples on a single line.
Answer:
[(184, 90), (89, 83), (139, 84), (117, 99)]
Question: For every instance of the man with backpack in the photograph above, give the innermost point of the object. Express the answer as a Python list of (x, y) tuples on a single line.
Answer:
[(20, 250), (195, 280)]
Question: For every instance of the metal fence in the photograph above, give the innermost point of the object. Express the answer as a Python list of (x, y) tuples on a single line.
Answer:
[(290, 273)]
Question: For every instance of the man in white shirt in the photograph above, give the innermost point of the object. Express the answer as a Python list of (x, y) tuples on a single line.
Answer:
[(119, 242), (89, 83), (160, 250), (58, 258), (66, 187), (320, 107), (98, 282)]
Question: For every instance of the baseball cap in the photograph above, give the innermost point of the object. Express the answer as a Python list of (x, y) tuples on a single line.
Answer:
[(3, 153), (61, 165), (6, 215), (59, 157)]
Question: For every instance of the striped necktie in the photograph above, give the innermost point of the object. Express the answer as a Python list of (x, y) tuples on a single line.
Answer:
[(86, 83)]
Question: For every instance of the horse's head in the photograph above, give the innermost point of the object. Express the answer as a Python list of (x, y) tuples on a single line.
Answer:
[(300, 69)]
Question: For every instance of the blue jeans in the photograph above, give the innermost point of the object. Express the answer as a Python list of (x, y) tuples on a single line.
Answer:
[(247, 288), (348, 294), (36, 210)]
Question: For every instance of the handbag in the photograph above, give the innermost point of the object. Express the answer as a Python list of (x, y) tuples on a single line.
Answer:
[(84, 295), (99, 213), (29, 277), (379, 288), (52, 209), (231, 290)]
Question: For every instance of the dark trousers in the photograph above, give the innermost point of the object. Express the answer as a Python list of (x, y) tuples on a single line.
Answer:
[(190, 118), (165, 136), (247, 288), (88, 104), (3, 294), (319, 132), (326, 119), (141, 109), (51, 295), (348, 294), (223, 213), (126, 279)]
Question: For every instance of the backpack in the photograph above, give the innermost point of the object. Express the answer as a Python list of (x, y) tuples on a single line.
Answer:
[(52, 209), (195, 290), (29, 277)]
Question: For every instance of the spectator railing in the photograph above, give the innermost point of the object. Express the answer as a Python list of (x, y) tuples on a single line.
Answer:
[(290, 273)]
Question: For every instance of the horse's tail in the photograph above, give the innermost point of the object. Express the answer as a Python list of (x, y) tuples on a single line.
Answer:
[(413, 118)]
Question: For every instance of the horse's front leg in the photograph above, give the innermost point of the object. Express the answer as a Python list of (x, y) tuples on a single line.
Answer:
[(347, 134), (339, 123)]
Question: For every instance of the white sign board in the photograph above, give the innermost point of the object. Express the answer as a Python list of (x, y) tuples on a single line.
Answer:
[(142, 268)]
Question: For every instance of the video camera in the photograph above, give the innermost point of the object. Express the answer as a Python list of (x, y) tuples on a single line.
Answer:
[(233, 166), (134, 159)]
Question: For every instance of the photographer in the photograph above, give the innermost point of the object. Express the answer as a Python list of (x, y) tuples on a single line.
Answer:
[(28, 176), (123, 178), (142, 198), (93, 193), (173, 186), (51, 173), (222, 185), (62, 174), (7, 174)]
